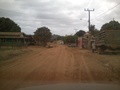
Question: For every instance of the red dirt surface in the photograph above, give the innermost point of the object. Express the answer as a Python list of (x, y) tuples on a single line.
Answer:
[(60, 64)]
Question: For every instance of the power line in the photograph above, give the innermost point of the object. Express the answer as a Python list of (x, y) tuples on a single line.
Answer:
[(90, 1), (105, 12), (84, 26)]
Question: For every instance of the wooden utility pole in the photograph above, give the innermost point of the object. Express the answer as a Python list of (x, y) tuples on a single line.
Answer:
[(75, 36), (113, 23), (89, 17)]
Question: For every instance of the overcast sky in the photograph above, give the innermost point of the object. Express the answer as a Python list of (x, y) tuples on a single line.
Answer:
[(60, 16)]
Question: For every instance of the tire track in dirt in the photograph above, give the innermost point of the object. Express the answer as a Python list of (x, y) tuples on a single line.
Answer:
[(21, 59), (19, 62), (69, 67), (81, 71), (18, 73), (87, 69), (11, 72), (60, 64), (54, 65), (45, 73)]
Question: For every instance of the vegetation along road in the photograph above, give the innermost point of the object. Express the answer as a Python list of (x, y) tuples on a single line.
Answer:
[(60, 64)]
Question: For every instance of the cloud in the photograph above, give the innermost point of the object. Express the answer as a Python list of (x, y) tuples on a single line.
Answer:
[(61, 16), (9, 13), (114, 1)]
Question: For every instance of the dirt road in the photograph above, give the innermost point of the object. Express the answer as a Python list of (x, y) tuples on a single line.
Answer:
[(60, 64)]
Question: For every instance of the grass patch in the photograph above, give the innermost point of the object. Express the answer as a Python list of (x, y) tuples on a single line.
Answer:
[(10, 52)]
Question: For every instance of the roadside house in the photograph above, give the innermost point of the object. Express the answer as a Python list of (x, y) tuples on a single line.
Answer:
[(13, 39)]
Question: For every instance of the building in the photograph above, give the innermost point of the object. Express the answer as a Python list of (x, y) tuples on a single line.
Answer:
[(85, 40), (13, 39), (60, 42)]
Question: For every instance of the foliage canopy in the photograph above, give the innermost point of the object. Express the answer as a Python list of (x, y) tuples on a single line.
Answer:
[(112, 25), (70, 39), (80, 33), (7, 25), (93, 30), (42, 35)]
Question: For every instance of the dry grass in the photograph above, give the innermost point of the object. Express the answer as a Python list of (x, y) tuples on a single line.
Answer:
[(10, 52)]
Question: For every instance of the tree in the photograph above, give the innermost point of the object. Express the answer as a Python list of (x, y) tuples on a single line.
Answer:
[(7, 25), (60, 38), (69, 39), (112, 25), (42, 35), (93, 30), (56, 37), (80, 33)]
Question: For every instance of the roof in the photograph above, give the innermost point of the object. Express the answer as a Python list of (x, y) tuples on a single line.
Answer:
[(12, 35)]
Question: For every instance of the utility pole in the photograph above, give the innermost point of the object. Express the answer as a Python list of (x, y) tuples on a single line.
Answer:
[(88, 17), (113, 23), (75, 37)]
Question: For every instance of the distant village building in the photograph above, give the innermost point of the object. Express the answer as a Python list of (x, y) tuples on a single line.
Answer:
[(85, 40), (12, 38), (60, 42)]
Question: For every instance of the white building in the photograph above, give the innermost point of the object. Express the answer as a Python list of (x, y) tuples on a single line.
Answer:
[(60, 42)]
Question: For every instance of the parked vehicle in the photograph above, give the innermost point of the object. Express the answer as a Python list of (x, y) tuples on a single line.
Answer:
[(72, 45)]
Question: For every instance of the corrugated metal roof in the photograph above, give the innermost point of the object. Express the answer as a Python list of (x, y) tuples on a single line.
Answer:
[(10, 33), (11, 37)]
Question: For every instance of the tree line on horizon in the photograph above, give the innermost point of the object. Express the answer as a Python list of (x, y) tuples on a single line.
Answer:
[(43, 34)]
